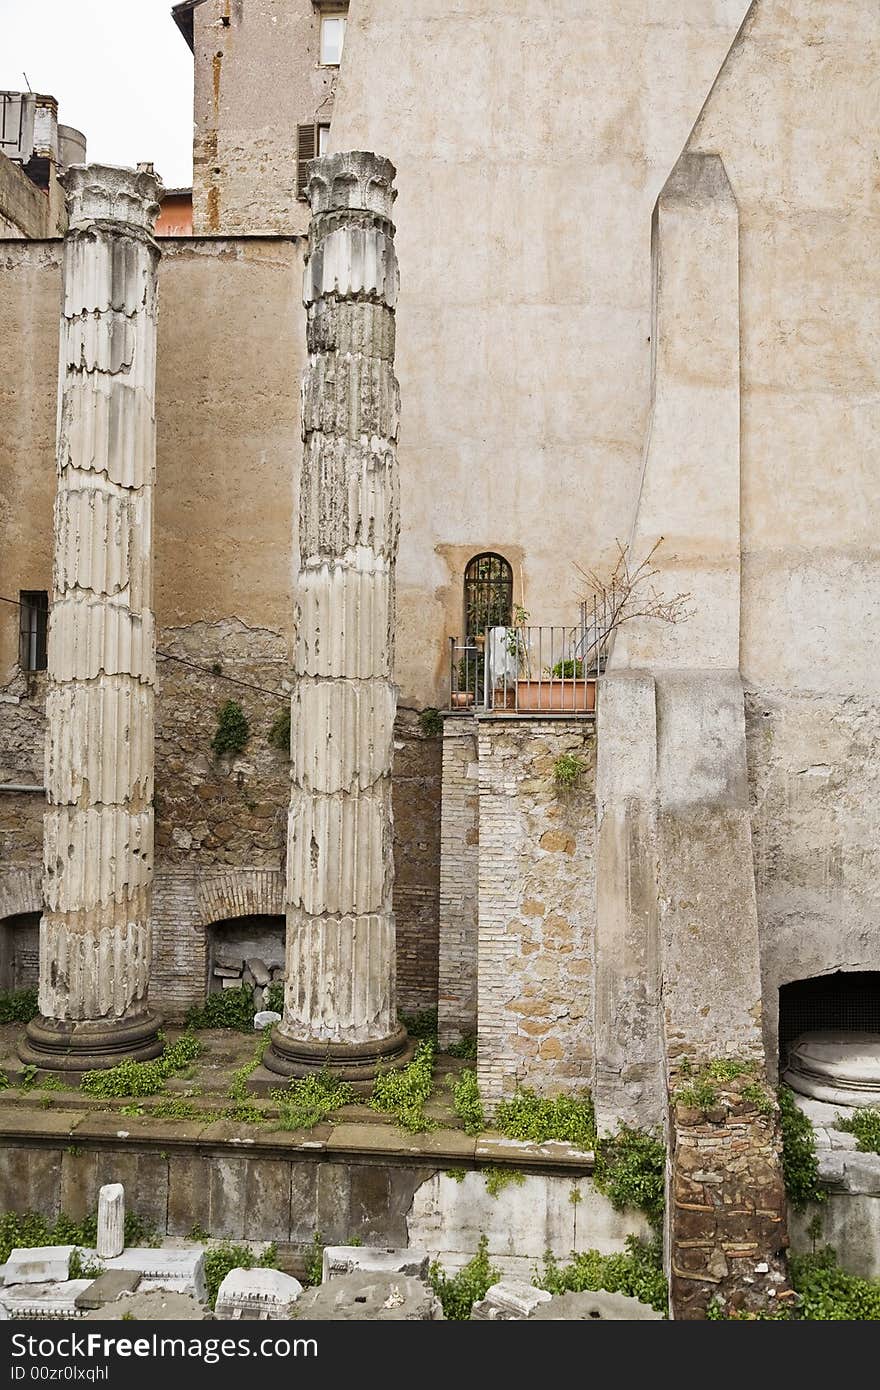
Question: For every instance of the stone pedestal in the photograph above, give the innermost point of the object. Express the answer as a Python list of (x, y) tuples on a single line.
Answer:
[(340, 1007), (98, 831)]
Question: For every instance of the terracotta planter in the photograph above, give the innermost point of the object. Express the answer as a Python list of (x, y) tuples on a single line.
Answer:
[(462, 699), (557, 696)]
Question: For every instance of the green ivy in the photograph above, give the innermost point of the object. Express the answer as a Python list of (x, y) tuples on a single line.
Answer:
[(568, 770), (303, 1104), (143, 1078), (466, 1049), (864, 1123), (233, 730), (828, 1294), (421, 1027), (18, 1005), (226, 1008), (800, 1167), (275, 997), (431, 723), (459, 1292), (402, 1094), (243, 1109), (499, 1178), (631, 1171), (638, 1272), (24, 1230), (313, 1271), (527, 1116), (466, 1101), (700, 1091), (179, 1108), (224, 1256), (279, 734)]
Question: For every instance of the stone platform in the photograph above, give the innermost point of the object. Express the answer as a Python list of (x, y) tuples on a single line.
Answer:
[(353, 1177)]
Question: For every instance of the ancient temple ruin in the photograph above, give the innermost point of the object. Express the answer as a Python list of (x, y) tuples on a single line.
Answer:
[(400, 762)]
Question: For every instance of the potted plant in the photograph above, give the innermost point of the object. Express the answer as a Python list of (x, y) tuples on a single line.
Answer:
[(563, 688)]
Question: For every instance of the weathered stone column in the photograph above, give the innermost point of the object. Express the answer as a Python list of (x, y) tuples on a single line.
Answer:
[(98, 832), (340, 999)]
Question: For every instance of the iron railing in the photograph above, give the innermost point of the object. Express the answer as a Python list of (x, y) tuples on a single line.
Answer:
[(533, 669)]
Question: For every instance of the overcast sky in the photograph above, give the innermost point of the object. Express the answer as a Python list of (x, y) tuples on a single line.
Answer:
[(121, 70)]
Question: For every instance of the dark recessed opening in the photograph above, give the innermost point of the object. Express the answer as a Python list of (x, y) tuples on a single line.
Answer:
[(848, 1000)]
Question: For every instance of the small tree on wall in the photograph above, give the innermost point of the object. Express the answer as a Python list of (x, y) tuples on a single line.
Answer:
[(627, 592)]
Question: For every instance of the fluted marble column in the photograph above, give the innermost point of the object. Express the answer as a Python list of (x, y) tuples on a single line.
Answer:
[(340, 1001), (98, 829)]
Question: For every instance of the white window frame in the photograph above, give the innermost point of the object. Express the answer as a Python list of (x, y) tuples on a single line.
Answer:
[(326, 15)]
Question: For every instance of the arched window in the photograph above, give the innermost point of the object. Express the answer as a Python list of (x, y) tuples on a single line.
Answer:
[(488, 594)]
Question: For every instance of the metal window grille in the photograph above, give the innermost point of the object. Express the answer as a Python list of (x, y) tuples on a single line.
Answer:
[(488, 594), (32, 630)]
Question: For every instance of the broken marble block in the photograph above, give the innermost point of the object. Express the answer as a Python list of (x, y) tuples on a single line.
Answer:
[(369, 1297), (346, 1259), (587, 1306), (265, 1018), (259, 970), (157, 1305), (109, 1286), (47, 1300), (43, 1264), (111, 1220), (257, 1294), (177, 1271), (509, 1301)]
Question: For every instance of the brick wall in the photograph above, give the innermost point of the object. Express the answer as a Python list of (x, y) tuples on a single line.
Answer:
[(459, 869), (536, 907), (415, 793)]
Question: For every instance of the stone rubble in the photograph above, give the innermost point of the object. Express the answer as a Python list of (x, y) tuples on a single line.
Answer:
[(349, 1259), (371, 1297), (257, 1295), (508, 1301)]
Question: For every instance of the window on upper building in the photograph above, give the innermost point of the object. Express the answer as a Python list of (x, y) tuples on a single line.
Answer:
[(32, 629), (311, 140), (332, 39)]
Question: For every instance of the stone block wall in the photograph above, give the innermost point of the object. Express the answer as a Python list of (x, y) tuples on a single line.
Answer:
[(22, 735), (727, 1218), (536, 907), (459, 868), (214, 810)]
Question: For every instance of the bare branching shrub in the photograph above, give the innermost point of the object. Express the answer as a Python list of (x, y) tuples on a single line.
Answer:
[(628, 592)]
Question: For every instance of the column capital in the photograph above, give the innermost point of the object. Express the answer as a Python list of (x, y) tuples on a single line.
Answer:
[(355, 180), (111, 193)]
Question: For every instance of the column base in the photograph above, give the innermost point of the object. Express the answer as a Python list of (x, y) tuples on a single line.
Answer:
[(92, 1045), (295, 1058)]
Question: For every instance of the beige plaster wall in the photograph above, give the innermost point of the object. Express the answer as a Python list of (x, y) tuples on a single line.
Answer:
[(230, 357), (257, 77), (30, 307), (531, 143), (804, 169)]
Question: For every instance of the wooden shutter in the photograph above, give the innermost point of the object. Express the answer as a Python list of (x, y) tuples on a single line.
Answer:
[(306, 149)]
